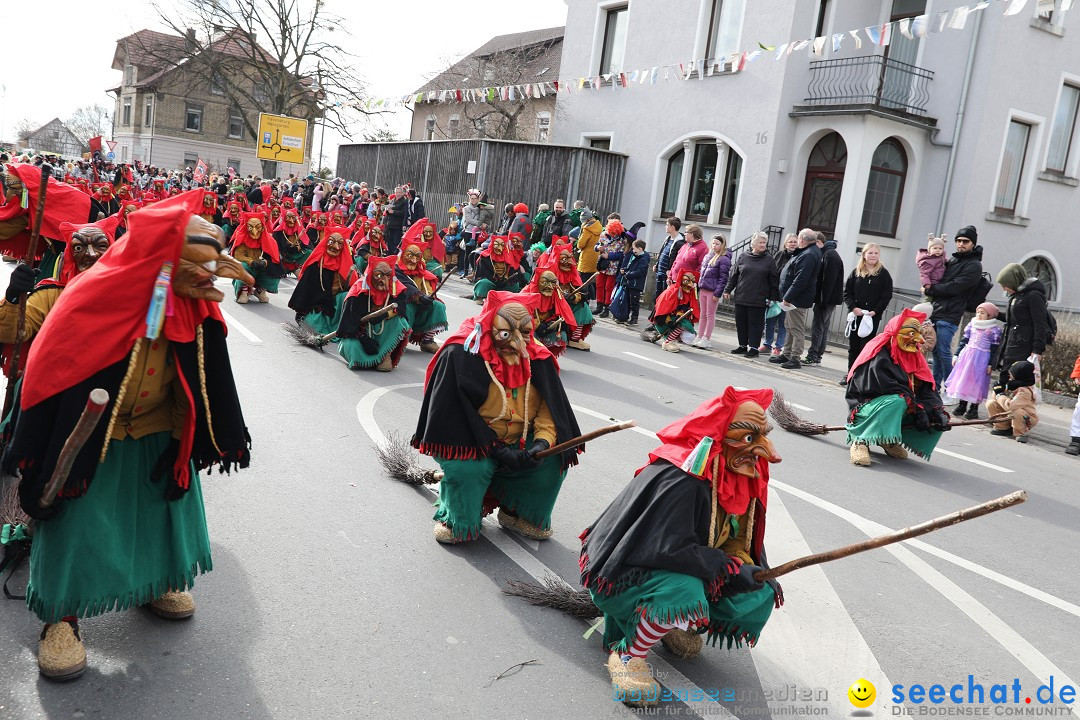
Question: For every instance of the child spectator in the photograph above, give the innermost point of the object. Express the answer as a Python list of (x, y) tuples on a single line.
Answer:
[(1018, 400), (635, 266), (927, 329), (611, 246), (931, 261), (715, 268), (969, 380)]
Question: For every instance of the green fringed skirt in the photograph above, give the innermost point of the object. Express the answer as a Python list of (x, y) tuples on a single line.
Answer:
[(326, 324), (672, 597), (421, 320), (882, 421), (582, 314), (665, 328), (262, 280), (472, 488), (122, 544), (391, 336), (484, 286), (435, 268)]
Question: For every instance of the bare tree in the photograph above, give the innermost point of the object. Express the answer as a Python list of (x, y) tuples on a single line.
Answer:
[(497, 118), (381, 135), (273, 56), (24, 128), (89, 121)]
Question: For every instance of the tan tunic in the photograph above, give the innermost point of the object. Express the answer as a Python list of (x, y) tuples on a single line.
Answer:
[(154, 400), (508, 426), (38, 306)]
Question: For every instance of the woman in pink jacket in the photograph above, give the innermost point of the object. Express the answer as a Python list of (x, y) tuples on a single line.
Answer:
[(691, 254)]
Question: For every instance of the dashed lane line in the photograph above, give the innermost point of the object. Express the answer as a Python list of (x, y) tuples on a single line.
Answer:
[(649, 359), (234, 323)]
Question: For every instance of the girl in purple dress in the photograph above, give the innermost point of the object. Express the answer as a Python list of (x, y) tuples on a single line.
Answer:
[(969, 380)]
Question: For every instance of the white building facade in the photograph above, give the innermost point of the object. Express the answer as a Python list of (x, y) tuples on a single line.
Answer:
[(967, 126)]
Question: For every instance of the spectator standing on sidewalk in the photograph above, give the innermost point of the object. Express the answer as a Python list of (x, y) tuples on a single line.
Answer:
[(950, 296), (588, 236), (614, 241), (798, 288), (775, 334), (1074, 431), (868, 291), (715, 269), (668, 252), (830, 293), (1025, 318), (632, 273), (754, 281), (690, 254), (558, 223)]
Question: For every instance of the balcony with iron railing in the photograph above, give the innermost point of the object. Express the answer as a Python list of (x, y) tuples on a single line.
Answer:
[(871, 84)]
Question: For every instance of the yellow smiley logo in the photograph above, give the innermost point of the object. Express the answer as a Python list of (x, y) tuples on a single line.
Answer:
[(861, 693)]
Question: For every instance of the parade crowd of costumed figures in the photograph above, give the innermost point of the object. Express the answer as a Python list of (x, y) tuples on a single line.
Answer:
[(121, 392)]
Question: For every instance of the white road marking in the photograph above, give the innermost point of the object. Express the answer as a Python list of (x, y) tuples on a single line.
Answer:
[(1013, 642), (649, 359), (812, 638), (602, 416), (233, 322), (536, 569), (958, 456), (874, 529)]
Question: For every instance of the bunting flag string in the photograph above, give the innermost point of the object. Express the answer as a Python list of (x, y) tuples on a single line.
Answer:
[(735, 62)]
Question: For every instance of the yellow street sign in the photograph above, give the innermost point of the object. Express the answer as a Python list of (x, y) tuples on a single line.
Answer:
[(281, 138)]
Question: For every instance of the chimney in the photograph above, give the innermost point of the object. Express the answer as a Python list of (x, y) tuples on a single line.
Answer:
[(190, 35)]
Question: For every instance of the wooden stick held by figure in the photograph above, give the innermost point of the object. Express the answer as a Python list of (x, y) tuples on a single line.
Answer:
[(786, 417)]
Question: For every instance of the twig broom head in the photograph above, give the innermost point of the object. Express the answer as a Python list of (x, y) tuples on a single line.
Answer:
[(553, 592), (304, 334), (399, 460), (786, 417)]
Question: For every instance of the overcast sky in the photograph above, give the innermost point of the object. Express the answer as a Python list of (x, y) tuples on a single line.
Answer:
[(65, 47)]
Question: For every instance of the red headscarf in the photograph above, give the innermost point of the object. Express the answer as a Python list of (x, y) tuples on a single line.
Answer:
[(711, 419), (367, 283), (550, 260), (415, 234), (421, 270), (556, 302), (342, 264), (913, 363), (475, 335), (379, 247), (296, 229), (673, 296), (207, 211), (96, 320), (266, 241), (507, 255), (69, 269)]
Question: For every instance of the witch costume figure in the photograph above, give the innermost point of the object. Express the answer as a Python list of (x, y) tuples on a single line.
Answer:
[(379, 343), (292, 242), (492, 401), (560, 259), (674, 555), (426, 313), (891, 393), (496, 269), (324, 281), (256, 249), (371, 243), (553, 319), (128, 526), (676, 311), (427, 232)]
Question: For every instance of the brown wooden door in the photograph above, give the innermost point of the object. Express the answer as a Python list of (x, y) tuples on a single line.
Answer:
[(823, 185)]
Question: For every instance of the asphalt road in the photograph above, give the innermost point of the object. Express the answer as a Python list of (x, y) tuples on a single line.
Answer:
[(330, 598)]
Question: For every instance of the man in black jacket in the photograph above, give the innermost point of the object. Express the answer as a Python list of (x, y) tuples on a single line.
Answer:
[(830, 293), (950, 297), (395, 220), (798, 288), (558, 225)]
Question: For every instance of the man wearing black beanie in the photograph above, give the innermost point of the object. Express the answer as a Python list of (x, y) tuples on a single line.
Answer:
[(950, 296)]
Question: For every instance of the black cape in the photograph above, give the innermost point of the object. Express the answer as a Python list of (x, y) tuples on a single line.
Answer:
[(40, 431), (881, 376), (310, 295), (357, 306), (450, 425), (485, 270), (660, 521)]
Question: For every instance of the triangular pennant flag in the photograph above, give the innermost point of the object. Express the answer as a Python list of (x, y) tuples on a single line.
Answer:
[(905, 28), (652, 75), (766, 48), (796, 47), (942, 18), (819, 46), (837, 41), (857, 38), (753, 55), (986, 3), (742, 62), (958, 18), (886, 34), (781, 51), (1015, 6), (919, 26), (711, 69), (874, 33)]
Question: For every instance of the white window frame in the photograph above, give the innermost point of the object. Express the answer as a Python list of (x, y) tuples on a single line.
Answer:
[(586, 138), (540, 125), (600, 28), (125, 111), (148, 112), (1027, 172), (188, 108), (701, 39), (193, 162), (228, 124), (1072, 162), (688, 143), (1046, 254), (232, 163), (217, 88), (453, 126)]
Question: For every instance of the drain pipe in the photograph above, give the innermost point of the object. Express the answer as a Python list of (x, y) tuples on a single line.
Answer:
[(959, 123)]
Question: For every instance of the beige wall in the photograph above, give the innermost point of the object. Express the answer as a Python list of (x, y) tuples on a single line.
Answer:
[(443, 112)]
